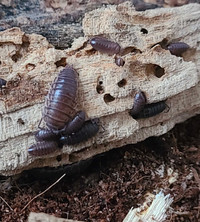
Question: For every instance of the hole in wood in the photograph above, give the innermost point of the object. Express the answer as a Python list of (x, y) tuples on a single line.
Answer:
[(108, 98), (61, 62), (59, 158), (153, 69), (21, 121), (144, 31), (122, 83)]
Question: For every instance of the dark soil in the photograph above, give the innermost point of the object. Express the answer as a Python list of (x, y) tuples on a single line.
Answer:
[(114, 182)]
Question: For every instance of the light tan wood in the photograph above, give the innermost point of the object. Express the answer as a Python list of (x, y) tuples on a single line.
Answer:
[(30, 63)]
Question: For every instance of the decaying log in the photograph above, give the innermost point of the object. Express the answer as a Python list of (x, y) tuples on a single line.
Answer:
[(29, 64)]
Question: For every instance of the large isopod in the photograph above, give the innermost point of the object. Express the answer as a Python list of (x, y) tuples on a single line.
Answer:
[(104, 45), (151, 110), (61, 101), (88, 130), (43, 148)]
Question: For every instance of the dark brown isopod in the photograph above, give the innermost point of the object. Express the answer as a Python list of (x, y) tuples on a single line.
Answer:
[(76, 123), (2, 82), (104, 45), (138, 104), (60, 102), (119, 61), (151, 110), (43, 148), (88, 130), (46, 134), (178, 48)]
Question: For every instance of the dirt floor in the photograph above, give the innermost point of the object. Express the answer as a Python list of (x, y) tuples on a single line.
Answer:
[(106, 187)]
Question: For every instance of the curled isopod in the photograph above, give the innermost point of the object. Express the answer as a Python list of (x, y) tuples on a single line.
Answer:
[(60, 102), (178, 48), (119, 61), (151, 110), (104, 45), (43, 148), (138, 104), (46, 134), (2, 82), (88, 130)]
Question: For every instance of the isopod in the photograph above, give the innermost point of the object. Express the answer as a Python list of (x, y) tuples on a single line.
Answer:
[(74, 125), (60, 102), (151, 110), (46, 134), (2, 82), (104, 45), (88, 130), (43, 148), (178, 48), (139, 103), (119, 61)]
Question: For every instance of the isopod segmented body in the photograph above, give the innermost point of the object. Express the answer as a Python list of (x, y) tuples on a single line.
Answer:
[(2, 82), (178, 48), (43, 148), (138, 104), (151, 110), (60, 102), (46, 134), (88, 130), (74, 125), (104, 45)]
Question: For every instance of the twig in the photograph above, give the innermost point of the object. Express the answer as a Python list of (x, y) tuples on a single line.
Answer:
[(43, 192), (6, 203)]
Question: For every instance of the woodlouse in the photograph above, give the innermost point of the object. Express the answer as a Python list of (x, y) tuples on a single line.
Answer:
[(178, 48), (2, 82), (75, 124), (88, 130), (151, 110), (138, 104), (60, 102), (46, 134), (43, 148), (104, 45), (119, 61)]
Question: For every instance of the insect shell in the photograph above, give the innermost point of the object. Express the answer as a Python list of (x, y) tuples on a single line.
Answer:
[(75, 124), (60, 102), (88, 130), (178, 48), (2, 82), (43, 148), (104, 45), (151, 110), (139, 103), (46, 134)]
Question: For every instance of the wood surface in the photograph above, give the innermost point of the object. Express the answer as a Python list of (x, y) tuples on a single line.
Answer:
[(30, 63)]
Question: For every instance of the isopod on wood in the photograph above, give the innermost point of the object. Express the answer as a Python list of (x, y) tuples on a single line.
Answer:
[(119, 61), (178, 48), (151, 110), (46, 134), (43, 148), (74, 125), (138, 104), (2, 82), (88, 130), (104, 45), (61, 102)]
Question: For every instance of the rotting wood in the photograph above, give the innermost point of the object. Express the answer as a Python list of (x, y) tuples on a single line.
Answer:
[(29, 64)]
